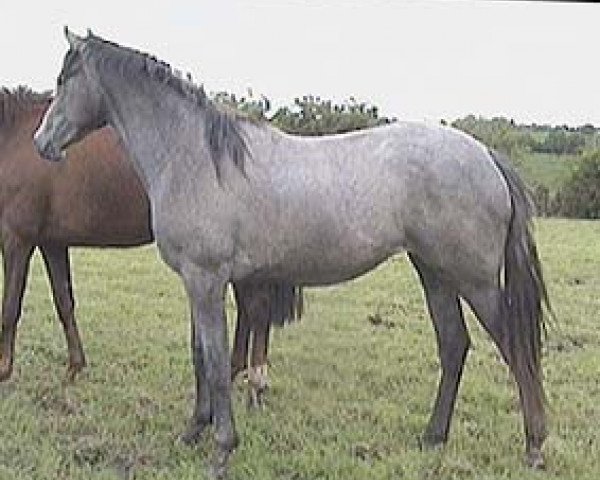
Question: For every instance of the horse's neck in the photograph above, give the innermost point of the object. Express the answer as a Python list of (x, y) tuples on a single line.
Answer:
[(20, 119), (145, 126)]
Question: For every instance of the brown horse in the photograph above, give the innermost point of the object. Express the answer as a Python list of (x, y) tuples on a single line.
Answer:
[(94, 199)]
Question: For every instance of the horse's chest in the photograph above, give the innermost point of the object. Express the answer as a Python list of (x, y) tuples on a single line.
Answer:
[(191, 235)]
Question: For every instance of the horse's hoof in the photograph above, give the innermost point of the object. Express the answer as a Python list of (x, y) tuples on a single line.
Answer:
[(535, 459), (218, 469), (429, 441), (217, 472), (193, 433), (191, 436)]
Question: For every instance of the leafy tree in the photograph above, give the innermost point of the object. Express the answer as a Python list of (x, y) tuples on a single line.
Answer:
[(309, 115), (498, 133)]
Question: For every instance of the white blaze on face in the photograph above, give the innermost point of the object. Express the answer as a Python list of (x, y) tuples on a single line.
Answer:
[(38, 137), (42, 138)]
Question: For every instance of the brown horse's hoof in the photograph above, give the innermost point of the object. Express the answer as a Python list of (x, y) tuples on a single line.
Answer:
[(258, 384), (257, 398), (535, 459), (236, 370), (73, 370), (5, 370)]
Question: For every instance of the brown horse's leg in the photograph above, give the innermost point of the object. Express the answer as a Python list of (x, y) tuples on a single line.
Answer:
[(453, 344), (239, 355), (15, 259), (253, 321), (257, 375), (58, 266), (486, 302)]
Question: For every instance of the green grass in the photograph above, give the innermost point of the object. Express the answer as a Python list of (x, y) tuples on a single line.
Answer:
[(348, 399)]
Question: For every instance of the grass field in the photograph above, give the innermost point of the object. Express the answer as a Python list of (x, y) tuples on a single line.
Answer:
[(348, 399)]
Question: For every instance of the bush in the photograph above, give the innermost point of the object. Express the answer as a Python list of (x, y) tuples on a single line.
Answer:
[(580, 195)]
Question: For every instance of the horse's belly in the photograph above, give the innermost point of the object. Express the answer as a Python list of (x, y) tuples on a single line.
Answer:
[(325, 274), (318, 263)]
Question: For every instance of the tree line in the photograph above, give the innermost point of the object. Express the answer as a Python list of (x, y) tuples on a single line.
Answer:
[(578, 148)]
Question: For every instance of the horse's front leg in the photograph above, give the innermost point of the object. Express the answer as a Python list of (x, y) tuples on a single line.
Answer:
[(212, 364), (15, 259), (202, 415), (58, 267)]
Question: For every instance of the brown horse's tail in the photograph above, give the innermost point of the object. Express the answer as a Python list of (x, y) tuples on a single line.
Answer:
[(286, 303), (524, 290)]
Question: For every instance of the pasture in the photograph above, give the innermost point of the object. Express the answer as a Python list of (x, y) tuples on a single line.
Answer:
[(351, 385)]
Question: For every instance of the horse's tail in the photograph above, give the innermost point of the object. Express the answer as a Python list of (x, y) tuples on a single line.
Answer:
[(524, 290), (286, 303)]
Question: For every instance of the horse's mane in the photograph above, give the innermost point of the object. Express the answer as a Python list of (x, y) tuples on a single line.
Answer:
[(222, 124), (15, 102)]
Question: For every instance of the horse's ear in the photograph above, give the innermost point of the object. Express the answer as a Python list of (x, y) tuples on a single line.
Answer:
[(74, 40), (90, 34)]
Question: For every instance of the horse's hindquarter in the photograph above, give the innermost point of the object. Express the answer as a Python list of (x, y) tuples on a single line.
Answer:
[(458, 206)]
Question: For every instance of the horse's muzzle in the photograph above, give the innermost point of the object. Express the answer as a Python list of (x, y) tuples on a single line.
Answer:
[(47, 149)]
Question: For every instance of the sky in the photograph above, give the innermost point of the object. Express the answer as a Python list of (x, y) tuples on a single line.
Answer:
[(417, 60)]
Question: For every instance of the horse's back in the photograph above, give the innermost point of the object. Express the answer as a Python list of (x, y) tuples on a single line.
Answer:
[(337, 206)]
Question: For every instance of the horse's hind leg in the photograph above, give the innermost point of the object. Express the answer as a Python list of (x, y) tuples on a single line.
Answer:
[(15, 260), (239, 355), (487, 304), (453, 344), (253, 303), (257, 377), (58, 266)]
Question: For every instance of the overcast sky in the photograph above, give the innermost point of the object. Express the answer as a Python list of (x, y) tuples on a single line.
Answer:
[(424, 60)]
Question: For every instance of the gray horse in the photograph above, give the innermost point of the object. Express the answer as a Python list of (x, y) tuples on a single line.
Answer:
[(267, 206)]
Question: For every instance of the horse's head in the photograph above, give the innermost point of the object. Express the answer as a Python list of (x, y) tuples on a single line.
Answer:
[(78, 106)]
